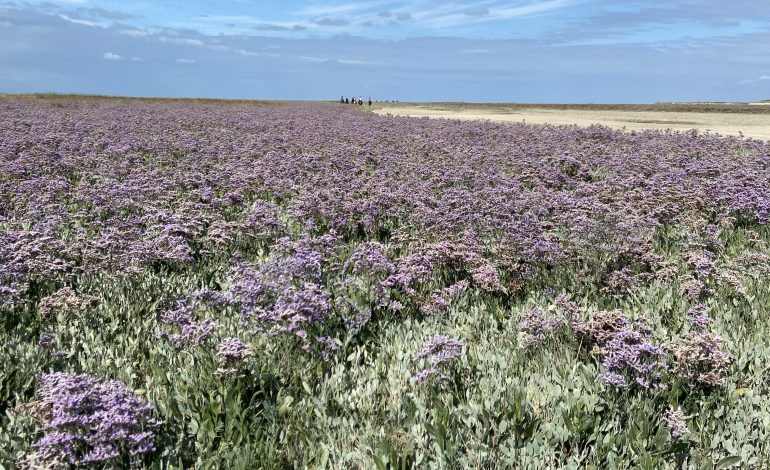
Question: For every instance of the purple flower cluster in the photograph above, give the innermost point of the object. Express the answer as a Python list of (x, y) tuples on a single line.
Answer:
[(536, 328), (626, 349), (440, 351), (491, 204), (47, 340), (64, 302), (286, 295), (8, 295), (230, 353), (192, 332), (699, 359), (325, 347), (92, 421), (699, 317), (370, 259), (676, 422)]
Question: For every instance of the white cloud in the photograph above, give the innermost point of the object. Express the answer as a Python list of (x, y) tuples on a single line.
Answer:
[(320, 9), (457, 14), (765, 77), (313, 59), (136, 59), (185, 61), (112, 56), (134, 32), (182, 41), (92, 24), (246, 53), (357, 62)]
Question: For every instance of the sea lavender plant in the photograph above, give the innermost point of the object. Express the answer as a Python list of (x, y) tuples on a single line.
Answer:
[(536, 328), (676, 422), (192, 332), (699, 317), (66, 302), (441, 351), (8, 296), (698, 358), (92, 421), (285, 296), (230, 354), (625, 348)]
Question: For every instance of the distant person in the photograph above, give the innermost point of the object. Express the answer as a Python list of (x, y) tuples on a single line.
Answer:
[(370, 101), (346, 101), (360, 102), (342, 100)]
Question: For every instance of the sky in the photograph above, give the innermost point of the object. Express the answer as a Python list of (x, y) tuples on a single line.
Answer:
[(545, 51)]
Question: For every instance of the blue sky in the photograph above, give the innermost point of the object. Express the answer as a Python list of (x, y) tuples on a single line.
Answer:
[(427, 50)]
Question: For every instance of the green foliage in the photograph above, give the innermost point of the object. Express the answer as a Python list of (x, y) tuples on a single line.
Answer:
[(502, 408)]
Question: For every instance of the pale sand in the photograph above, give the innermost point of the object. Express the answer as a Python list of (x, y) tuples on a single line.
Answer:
[(751, 125)]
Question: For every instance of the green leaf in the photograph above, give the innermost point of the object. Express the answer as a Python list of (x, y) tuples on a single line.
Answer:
[(286, 405), (677, 448), (727, 462)]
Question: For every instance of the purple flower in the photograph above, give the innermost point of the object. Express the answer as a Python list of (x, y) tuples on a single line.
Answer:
[(536, 328), (192, 332), (440, 351), (370, 258), (91, 421), (230, 353), (676, 422), (8, 295), (699, 359), (699, 317), (629, 356), (47, 340), (286, 295)]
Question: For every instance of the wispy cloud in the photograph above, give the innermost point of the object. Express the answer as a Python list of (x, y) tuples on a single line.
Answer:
[(332, 22), (185, 61), (181, 41), (313, 59), (134, 32), (112, 56), (458, 15), (92, 24), (358, 62), (324, 9), (765, 77)]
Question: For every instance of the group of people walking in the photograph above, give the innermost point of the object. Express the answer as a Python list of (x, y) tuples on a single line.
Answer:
[(358, 101)]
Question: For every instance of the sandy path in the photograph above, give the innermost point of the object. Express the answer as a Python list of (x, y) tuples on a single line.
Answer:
[(751, 125)]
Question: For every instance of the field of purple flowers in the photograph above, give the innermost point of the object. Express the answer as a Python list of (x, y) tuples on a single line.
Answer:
[(220, 285)]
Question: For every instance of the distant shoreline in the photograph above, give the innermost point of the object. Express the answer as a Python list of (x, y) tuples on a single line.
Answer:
[(754, 107)]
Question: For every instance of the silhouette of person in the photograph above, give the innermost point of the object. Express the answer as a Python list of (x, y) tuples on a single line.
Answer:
[(370, 101)]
